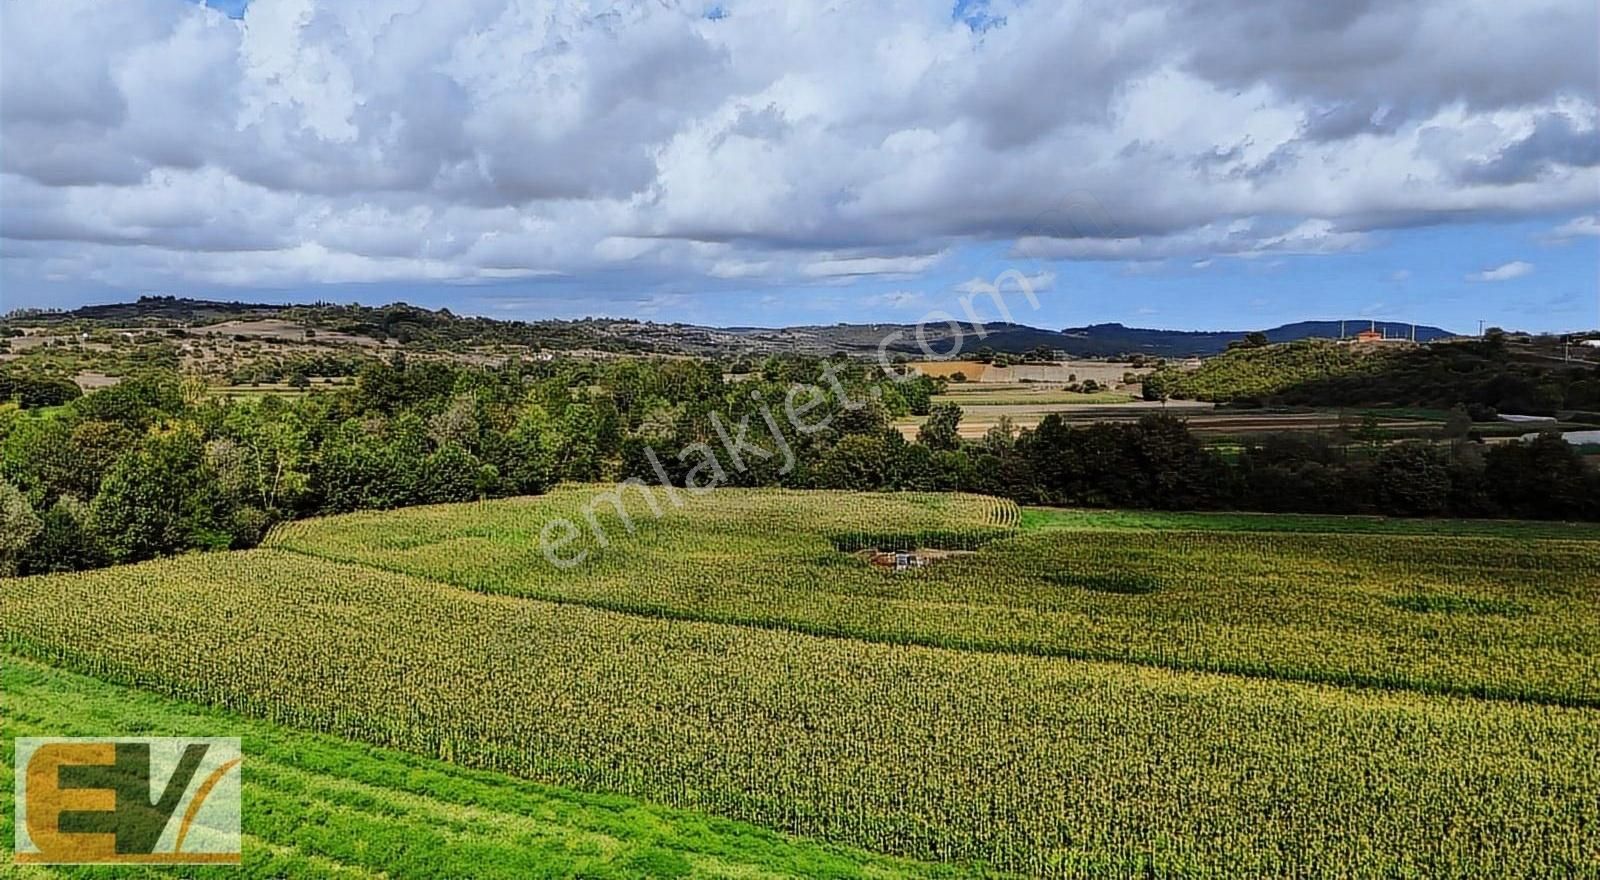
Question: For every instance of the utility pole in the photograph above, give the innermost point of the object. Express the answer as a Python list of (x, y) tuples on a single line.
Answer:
[(1480, 328)]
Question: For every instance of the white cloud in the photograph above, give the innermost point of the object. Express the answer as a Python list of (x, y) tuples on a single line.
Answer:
[(144, 142), (1506, 272), (1587, 225), (832, 267), (1038, 282)]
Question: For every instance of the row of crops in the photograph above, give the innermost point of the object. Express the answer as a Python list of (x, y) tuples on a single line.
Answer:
[(328, 808), (1506, 618), (1039, 765)]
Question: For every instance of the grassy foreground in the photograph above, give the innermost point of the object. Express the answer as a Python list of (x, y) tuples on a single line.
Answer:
[(1039, 765), (320, 806), (1509, 617)]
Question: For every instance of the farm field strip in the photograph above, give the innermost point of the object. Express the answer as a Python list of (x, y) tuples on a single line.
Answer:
[(1029, 398), (317, 805), (1088, 519), (1500, 618), (1047, 766)]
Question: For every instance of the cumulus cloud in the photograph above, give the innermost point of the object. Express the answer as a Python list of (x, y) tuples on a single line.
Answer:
[(1505, 272), (147, 142), (1578, 227)]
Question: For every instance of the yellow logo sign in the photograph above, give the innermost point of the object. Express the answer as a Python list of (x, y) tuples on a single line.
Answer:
[(128, 800)]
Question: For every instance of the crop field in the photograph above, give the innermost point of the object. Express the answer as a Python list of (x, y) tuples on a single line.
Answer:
[(1070, 697), (1164, 520), (983, 397), (326, 807), (1330, 607)]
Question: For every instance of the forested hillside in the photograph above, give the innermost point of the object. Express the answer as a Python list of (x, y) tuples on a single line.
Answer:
[(1486, 375)]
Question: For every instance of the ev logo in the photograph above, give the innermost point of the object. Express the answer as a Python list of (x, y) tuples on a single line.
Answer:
[(128, 800)]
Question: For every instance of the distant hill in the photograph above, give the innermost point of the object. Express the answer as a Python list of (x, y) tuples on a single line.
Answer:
[(412, 325), (1482, 375)]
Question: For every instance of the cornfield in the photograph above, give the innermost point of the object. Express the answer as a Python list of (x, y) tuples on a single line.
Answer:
[(1333, 608), (724, 700)]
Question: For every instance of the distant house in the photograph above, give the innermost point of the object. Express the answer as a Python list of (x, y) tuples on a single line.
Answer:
[(1592, 343), (1369, 336)]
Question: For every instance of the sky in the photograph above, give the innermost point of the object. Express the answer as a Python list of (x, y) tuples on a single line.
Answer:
[(1204, 164)]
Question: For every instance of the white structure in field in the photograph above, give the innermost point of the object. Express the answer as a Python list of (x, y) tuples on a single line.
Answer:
[(1576, 438)]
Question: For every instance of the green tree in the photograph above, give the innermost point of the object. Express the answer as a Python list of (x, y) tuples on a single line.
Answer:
[(1000, 437), (38, 456), (1413, 479), (858, 461), (65, 542), (160, 498), (451, 473), (526, 460), (19, 525), (941, 432), (136, 402), (580, 449)]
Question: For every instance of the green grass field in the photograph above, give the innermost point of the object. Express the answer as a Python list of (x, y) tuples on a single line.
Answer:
[(1084, 695), (322, 806)]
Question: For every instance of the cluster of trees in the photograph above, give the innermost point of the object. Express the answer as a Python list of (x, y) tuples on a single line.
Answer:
[(32, 391), (1039, 354), (158, 464), (1485, 375), (297, 369), (1158, 463)]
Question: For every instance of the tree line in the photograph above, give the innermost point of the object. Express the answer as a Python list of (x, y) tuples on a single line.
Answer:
[(158, 464)]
